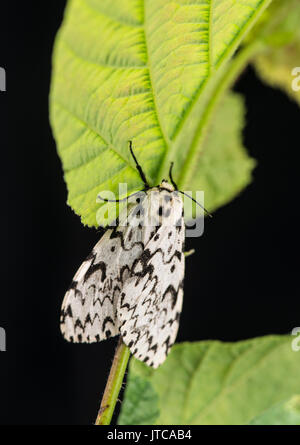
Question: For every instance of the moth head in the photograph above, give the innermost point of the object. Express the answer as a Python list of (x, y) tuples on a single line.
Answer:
[(165, 185)]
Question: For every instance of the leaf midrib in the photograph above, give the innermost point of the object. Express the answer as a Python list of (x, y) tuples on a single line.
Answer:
[(156, 108)]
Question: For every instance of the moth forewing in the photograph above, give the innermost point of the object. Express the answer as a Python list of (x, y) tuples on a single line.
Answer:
[(151, 300), (89, 307)]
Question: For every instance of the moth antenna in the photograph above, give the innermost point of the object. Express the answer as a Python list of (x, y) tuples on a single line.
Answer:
[(176, 188), (188, 196), (171, 177), (120, 200), (139, 168)]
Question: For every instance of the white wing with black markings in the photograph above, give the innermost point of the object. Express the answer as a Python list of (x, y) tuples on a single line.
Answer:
[(150, 302), (132, 282)]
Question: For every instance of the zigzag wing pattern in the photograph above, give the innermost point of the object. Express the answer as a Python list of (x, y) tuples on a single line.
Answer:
[(132, 282), (150, 301), (89, 307)]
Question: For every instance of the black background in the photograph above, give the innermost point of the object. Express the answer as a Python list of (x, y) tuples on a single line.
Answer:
[(240, 283)]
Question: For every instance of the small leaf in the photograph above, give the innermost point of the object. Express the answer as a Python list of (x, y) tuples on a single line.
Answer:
[(211, 382), (146, 70), (276, 68), (279, 31), (284, 413)]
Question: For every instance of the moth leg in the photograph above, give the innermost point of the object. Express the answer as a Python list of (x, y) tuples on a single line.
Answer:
[(189, 252)]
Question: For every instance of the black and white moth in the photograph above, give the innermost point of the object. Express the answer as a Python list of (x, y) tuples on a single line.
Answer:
[(132, 282)]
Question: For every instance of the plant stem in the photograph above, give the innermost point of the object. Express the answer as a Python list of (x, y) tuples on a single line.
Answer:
[(113, 384)]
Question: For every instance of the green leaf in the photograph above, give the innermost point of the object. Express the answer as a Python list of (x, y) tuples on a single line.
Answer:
[(284, 413), (148, 70), (279, 31), (211, 382)]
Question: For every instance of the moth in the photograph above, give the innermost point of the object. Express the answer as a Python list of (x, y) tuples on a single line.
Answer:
[(131, 284)]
